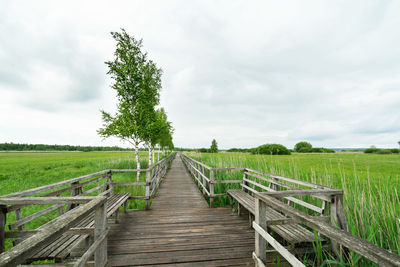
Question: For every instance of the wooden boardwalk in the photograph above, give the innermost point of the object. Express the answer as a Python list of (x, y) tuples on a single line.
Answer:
[(181, 230)]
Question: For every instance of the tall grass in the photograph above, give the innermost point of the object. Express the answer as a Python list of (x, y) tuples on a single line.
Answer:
[(370, 184)]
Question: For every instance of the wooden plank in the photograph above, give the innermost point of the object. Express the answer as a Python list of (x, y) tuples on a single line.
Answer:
[(3, 218), (91, 250), (43, 200), (277, 246), (295, 181), (271, 181), (100, 234), (55, 185), (227, 182), (31, 217), (28, 233), (228, 169), (302, 192), (128, 170), (130, 184), (295, 200), (261, 221), (211, 186), (147, 190)]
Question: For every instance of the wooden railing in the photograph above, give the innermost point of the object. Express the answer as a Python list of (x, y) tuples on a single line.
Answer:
[(338, 236), (57, 197), (301, 202), (205, 177), (153, 178), (48, 232)]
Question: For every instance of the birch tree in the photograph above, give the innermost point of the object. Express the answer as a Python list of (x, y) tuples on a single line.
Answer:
[(137, 82)]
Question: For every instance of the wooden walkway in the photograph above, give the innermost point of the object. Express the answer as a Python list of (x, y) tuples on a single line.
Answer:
[(181, 230)]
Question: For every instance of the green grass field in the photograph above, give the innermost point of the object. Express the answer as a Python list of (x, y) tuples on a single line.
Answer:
[(20, 171), (371, 185)]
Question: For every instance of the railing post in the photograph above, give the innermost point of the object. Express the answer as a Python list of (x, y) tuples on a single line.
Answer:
[(261, 220), (202, 179), (338, 219), (245, 176), (100, 226), (75, 191), (147, 193), (18, 215), (211, 188), (109, 182), (3, 217)]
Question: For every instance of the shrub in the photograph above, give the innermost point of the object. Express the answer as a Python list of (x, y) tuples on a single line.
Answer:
[(303, 147), (271, 149), (371, 150), (328, 150), (395, 150), (384, 151)]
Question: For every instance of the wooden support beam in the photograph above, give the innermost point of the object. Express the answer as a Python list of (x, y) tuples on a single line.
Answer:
[(3, 217), (211, 188), (100, 227), (260, 231), (147, 190), (261, 221)]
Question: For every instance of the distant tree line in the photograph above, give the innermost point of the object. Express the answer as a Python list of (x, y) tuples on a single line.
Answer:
[(43, 147), (306, 147), (374, 150)]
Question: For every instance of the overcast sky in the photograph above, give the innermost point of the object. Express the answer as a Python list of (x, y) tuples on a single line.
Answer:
[(243, 72)]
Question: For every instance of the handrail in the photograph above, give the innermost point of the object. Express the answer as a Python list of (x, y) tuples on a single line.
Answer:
[(45, 188), (18, 254)]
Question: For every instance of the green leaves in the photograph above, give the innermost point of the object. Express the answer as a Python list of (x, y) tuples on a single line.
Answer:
[(214, 146), (137, 82)]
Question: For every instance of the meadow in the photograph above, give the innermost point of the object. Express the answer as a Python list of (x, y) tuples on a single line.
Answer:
[(371, 185), (24, 170)]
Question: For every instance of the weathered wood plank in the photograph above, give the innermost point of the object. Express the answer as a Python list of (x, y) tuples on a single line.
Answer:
[(43, 200), (276, 245), (31, 217), (48, 187), (3, 217), (302, 192)]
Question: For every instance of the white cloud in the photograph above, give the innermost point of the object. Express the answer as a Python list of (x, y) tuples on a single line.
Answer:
[(243, 72)]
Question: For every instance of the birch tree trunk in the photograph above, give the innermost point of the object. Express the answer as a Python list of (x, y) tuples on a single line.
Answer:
[(149, 156), (137, 161), (153, 154), (158, 155)]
